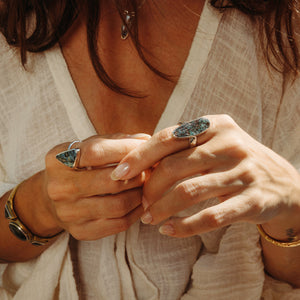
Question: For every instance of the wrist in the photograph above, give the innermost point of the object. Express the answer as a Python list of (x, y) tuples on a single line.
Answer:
[(284, 228), (33, 208), (286, 225)]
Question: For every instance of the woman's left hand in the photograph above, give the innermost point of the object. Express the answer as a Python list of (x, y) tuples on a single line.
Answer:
[(252, 183)]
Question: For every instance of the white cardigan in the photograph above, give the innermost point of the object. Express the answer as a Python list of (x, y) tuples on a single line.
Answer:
[(224, 73)]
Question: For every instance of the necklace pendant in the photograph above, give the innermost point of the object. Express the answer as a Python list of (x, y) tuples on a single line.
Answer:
[(129, 17), (124, 28)]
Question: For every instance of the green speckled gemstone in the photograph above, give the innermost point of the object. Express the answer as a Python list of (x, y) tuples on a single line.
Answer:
[(192, 128), (68, 157)]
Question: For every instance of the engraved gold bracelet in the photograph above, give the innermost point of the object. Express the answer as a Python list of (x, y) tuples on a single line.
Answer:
[(294, 243)]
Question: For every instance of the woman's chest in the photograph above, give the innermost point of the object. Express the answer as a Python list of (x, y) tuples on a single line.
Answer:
[(110, 112)]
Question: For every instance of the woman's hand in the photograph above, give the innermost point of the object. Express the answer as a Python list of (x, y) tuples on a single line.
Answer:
[(87, 203), (253, 183)]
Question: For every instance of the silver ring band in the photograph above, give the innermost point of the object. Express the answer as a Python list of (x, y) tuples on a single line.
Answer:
[(71, 144)]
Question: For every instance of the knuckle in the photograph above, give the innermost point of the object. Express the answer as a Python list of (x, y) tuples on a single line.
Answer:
[(187, 191), (166, 166), (53, 151), (64, 216), (204, 154), (213, 219), (150, 192), (93, 150), (56, 190), (50, 157), (239, 144), (126, 148), (256, 204), (189, 229), (119, 186), (84, 232), (119, 135), (227, 121), (73, 187), (78, 234), (62, 190), (120, 207), (60, 216), (164, 136), (248, 173), (123, 224), (238, 148)]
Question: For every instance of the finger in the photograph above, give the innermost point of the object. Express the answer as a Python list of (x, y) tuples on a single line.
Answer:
[(100, 228), (218, 216), (85, 184), (159, 146), (101, 151), (142, 136), (98, 151), (191, 192), (105, 207)]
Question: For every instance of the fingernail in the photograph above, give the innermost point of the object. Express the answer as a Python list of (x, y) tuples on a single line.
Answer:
[(120, 171), (146, 218), (167, 229), (140, 136), (145, 203)]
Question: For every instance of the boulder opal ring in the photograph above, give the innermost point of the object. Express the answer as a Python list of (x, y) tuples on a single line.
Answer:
[(190, 130), (70, 157)]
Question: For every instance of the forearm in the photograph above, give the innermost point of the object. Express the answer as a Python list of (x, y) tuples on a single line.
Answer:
[(32, 209)]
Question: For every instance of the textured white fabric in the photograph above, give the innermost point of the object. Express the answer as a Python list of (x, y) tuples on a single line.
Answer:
[(40, 107)]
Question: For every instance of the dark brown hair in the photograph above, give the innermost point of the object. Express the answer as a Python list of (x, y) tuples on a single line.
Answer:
[(54, 18), (276, 20)]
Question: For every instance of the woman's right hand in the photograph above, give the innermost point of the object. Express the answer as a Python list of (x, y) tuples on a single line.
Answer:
[(88, 203)]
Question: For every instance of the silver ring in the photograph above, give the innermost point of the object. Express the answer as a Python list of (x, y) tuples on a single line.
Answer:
[(191, 130), (70, 157)]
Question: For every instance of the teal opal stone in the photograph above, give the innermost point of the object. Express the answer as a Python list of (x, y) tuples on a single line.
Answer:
[(68, 157), (192, 128)]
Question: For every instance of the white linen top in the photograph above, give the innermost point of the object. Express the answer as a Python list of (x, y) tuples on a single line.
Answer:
[(224, 73)]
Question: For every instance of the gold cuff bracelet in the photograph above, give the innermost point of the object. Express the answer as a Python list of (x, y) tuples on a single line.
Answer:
[(18, 228)]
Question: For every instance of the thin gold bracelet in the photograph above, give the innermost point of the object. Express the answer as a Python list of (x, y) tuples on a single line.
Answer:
[(276, 242)]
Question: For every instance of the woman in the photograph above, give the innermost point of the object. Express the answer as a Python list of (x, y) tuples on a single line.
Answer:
[(96, 102)]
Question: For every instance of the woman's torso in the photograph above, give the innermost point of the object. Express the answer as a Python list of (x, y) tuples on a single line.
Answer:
[(41, 111)]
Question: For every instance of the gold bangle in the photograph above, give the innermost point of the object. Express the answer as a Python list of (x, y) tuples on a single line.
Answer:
[(276, 242), (17, 227)]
